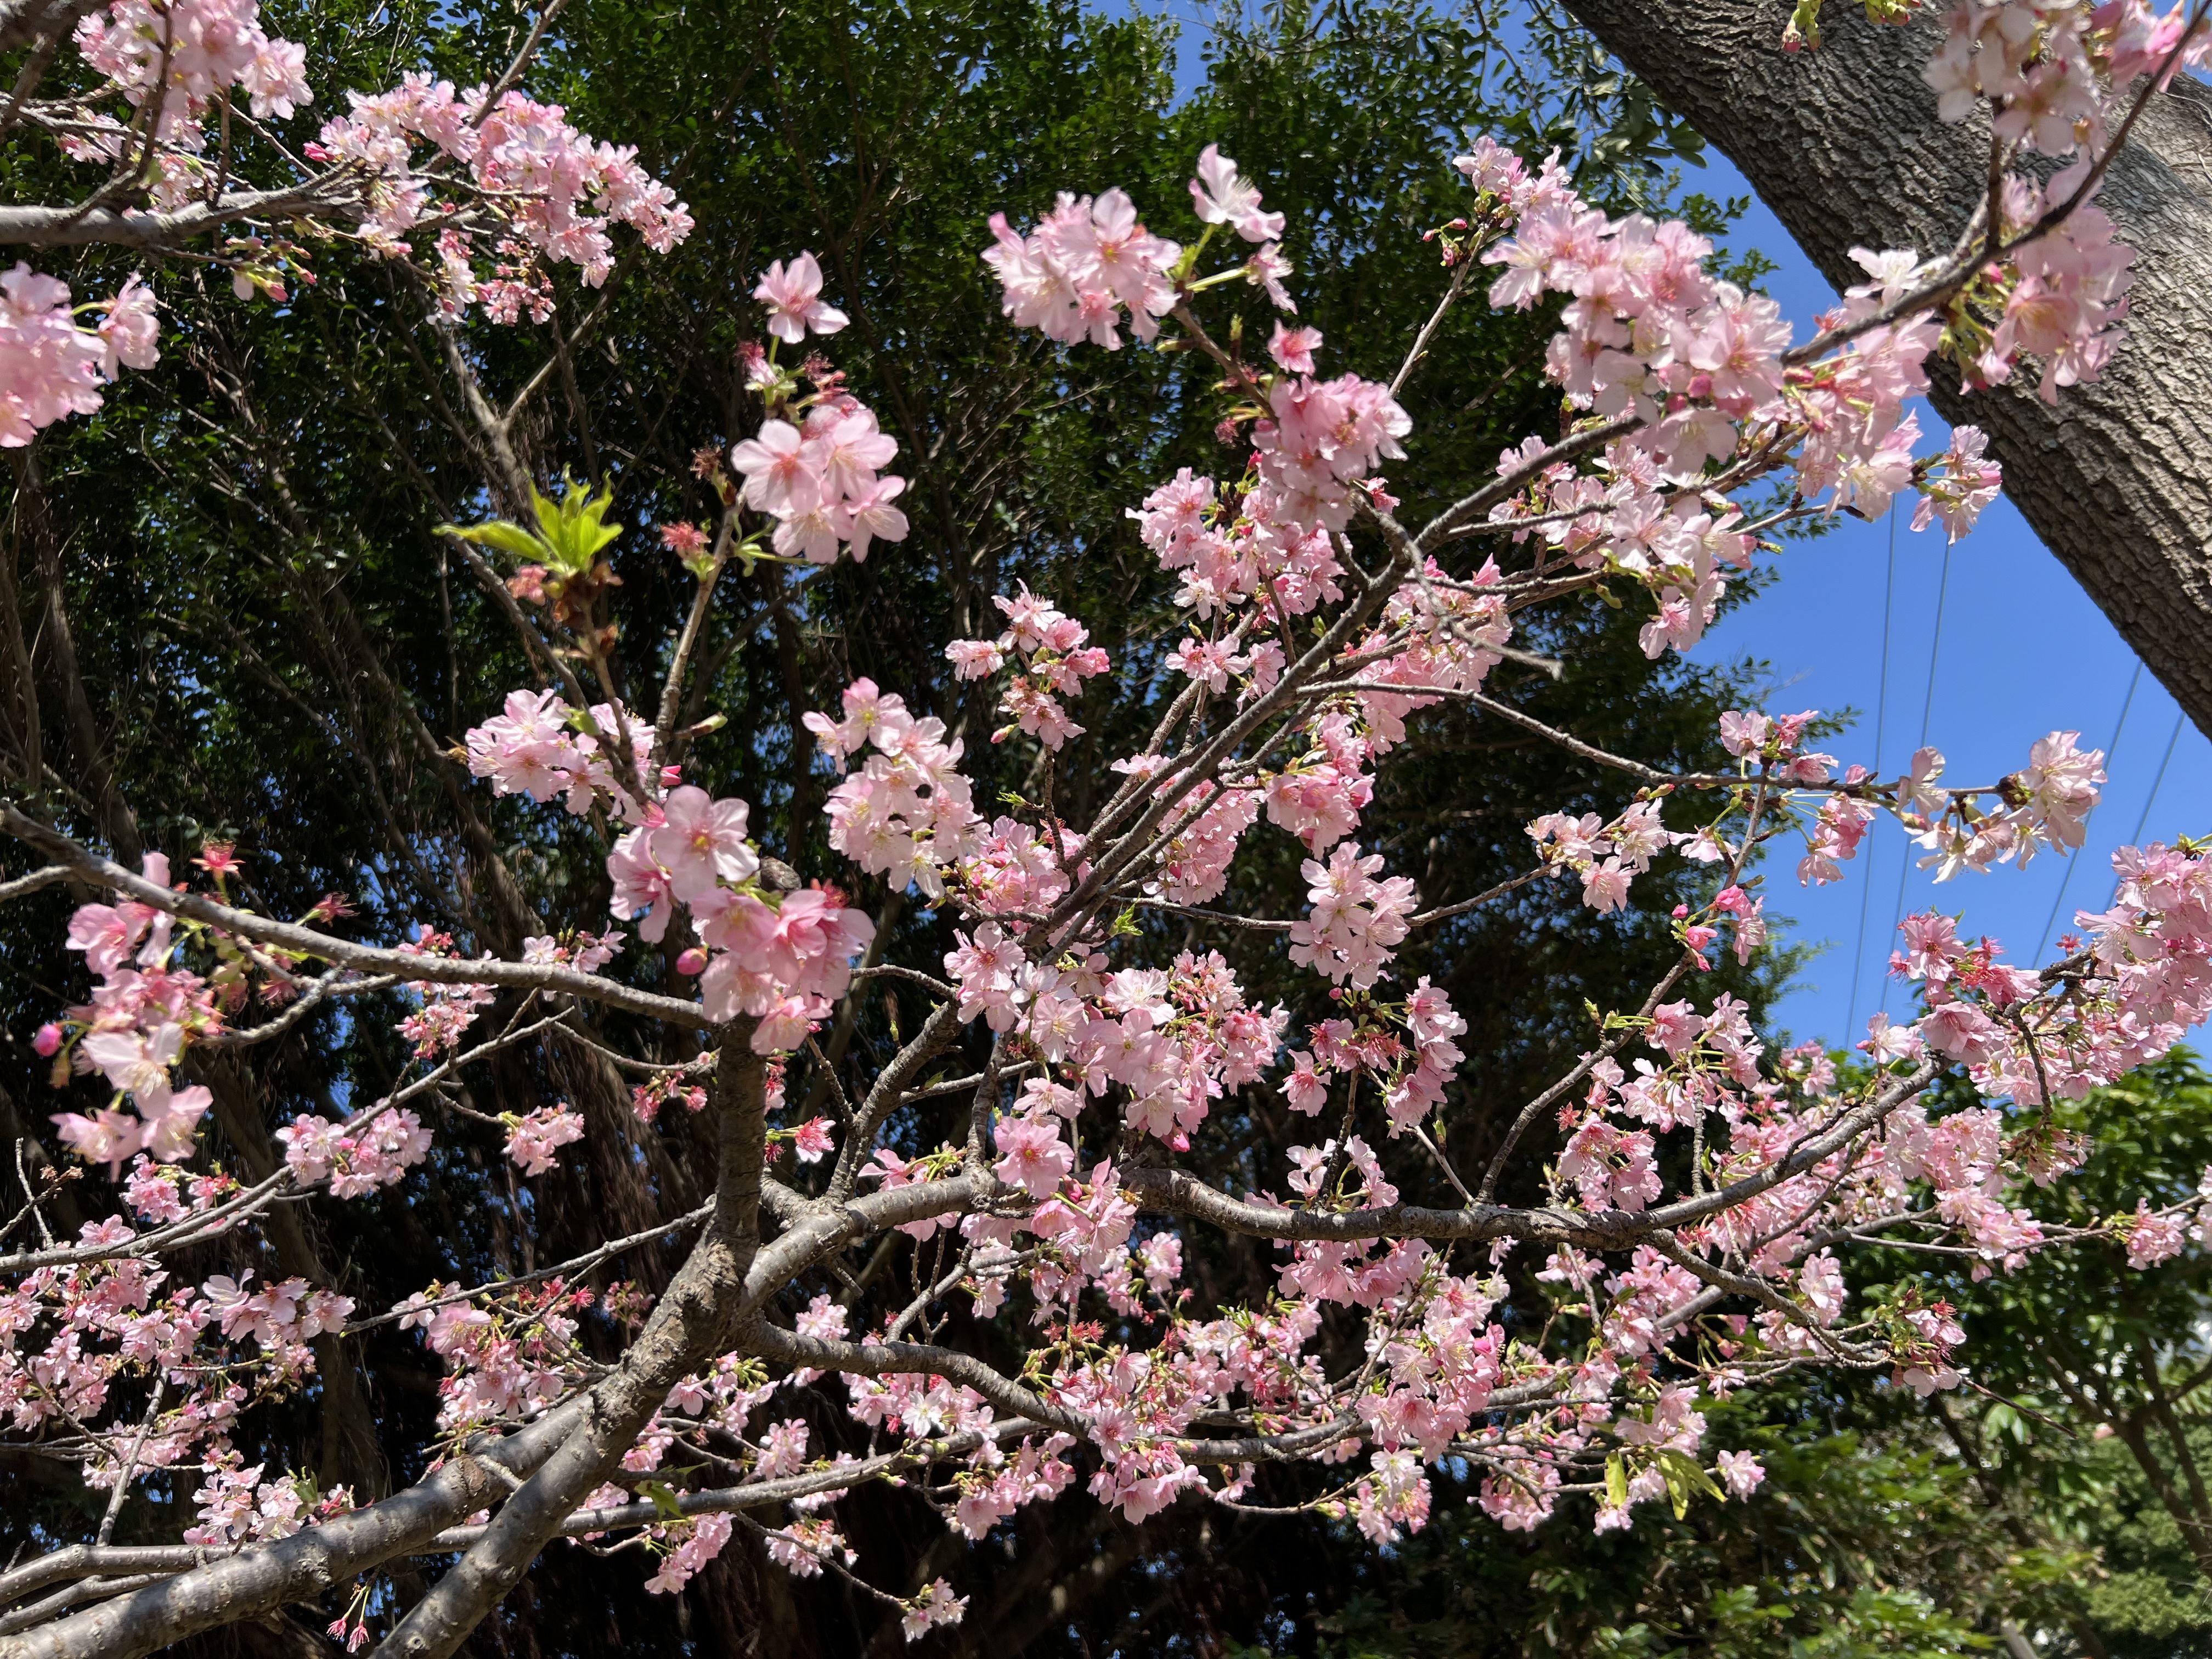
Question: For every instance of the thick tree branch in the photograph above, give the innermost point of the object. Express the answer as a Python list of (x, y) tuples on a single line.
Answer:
[(69, 226), (883, 1359), (300, 1568)]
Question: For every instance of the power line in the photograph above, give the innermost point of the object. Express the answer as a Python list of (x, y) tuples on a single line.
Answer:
[(2149, 800), (2112, 749), (1936, 646), (1927, 708), (1881, 722), (2172, 738)]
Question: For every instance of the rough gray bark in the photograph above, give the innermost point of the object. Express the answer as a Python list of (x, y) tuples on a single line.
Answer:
[(1844, 144)]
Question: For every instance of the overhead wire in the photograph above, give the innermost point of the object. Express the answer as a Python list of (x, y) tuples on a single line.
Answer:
[(1880, 724), (1927, 709), (2164, 761), (2157, 782)]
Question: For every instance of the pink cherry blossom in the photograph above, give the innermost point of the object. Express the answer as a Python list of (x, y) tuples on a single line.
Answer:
[(701, 843), (533, 1140), (1223, 198), (793, 299)]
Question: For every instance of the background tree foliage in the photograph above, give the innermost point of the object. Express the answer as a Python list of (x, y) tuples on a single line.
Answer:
[(241, 625)]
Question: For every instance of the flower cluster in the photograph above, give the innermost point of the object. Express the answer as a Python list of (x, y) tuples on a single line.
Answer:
[(534, 1140), (2045, 70), (778, 958), (1176, 1041), (286, 1311), (698, 1542), (907, 813), (142, 1014), (2043, 805), (1356, 921), (1959, 485), (49, 367), (185, 54), (1055, 659), (372, 1149), (820, 480), (1409, 1071), (779, 962), (930, 1608), (544, 192), (1605, 856), (1233, 548), (1446, 636), (540, 747), (1073, 276), (447, 1010), (237, 1506), (2138, 990), (1318, 445), (510, 1358), (1702, 367)]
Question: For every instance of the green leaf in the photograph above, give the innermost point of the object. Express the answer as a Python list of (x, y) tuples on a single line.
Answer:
[(506, 537), (1678, 1490), (574, 528), (1685, 1476), (571, 532)]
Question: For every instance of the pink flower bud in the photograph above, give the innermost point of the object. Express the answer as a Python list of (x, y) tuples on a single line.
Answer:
[(692, 962), (48, 1042)]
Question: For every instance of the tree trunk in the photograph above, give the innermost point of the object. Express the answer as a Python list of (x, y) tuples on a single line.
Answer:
[(1843, 145)]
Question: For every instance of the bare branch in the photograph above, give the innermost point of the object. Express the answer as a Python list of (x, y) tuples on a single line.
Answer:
[(515, 976), (52, 226), (879, 1359)]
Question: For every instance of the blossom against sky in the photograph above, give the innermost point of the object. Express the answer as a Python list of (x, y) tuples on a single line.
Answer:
[(2023, 652)]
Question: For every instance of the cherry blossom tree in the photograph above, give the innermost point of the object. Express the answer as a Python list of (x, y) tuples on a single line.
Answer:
[(1688, 1238)]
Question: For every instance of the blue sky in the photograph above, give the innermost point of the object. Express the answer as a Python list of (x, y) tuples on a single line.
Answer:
[(2022, 651)]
